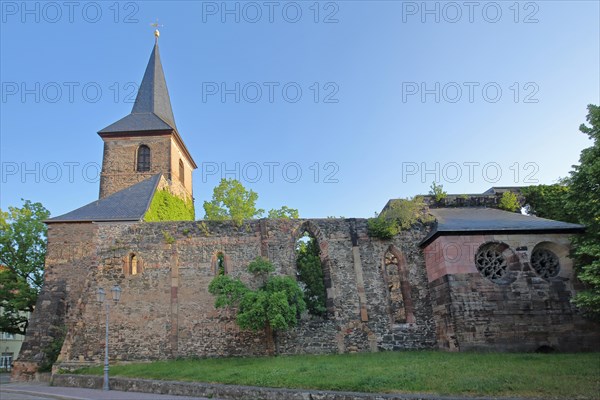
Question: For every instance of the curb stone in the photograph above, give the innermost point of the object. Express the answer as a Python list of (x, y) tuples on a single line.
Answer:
[(235, 392)]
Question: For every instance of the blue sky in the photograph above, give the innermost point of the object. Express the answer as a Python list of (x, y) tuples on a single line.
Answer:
[(367, 100)]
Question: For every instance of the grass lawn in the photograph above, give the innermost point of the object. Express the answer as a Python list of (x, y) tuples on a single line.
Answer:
[(547, 376)]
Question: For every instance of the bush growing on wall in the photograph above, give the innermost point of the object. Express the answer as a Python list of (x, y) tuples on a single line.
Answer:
[(401, 214)]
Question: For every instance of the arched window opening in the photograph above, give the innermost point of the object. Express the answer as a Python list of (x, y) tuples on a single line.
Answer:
[(221, 264), (310, 274), (393, 280), (143, 159), (133, 265), (181, 172)]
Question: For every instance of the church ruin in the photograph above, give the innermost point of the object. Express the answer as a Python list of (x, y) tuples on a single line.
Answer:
[(475, 279)]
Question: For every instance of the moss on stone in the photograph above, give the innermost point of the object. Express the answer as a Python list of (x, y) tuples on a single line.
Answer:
[(168, 207)]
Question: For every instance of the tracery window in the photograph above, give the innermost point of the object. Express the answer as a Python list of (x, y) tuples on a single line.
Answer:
[(143, 159), (545, 263), (394, 285), (491, 262)]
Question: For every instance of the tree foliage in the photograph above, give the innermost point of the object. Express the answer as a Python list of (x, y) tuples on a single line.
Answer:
[(584, 200), (549, 201), (275, 306), (310, 273), (284, 213), (232, 201), (22, 254), (509, 202)]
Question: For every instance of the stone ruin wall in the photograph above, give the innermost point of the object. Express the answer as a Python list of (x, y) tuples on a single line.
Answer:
[(71, 252), (166, 311), (381, 294)]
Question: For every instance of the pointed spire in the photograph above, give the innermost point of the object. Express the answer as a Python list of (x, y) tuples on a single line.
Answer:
[(152, 108), (153, 95)]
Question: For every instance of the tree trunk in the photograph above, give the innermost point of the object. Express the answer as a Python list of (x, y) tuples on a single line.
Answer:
[(269, 340)]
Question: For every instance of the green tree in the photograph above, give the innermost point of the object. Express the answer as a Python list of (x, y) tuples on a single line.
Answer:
[(310, 273), (22, 254), (284, 212), (437, 191), (549, 201), (584, 201), (509, 202), (275, 306), (232, 201)]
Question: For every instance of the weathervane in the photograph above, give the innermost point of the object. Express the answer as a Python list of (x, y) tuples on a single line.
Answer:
[(156, 32)]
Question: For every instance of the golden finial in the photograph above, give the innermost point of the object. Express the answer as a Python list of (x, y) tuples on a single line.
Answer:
[(156, 32)]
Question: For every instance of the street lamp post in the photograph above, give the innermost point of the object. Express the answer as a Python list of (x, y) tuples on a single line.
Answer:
[(101, 297)]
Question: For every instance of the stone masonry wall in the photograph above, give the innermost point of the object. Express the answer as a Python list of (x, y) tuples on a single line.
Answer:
[(525, 313), (381, 294), (120, 157), (119, 161), (166, 311), (70, 255)]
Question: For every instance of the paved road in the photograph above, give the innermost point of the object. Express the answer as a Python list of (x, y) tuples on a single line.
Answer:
[(39, 391), (21, 396)]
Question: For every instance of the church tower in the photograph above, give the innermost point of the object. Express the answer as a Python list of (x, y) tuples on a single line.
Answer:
[(146, 142)]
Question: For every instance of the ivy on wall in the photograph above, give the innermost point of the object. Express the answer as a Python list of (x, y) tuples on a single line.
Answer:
[(168, 207)]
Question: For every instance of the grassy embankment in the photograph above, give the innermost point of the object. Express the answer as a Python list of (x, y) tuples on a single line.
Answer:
[(548, 376)]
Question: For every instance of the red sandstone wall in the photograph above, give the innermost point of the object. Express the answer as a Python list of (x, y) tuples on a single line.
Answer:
[(526, 313)]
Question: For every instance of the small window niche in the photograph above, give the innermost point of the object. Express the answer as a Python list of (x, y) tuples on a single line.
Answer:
[(220, 264), (133, 265)]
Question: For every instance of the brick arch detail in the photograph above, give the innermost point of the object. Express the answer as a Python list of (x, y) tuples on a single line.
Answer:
[(405, 286)]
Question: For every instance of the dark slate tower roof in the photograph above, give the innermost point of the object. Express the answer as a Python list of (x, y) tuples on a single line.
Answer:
[(129, 204), (152, 108)]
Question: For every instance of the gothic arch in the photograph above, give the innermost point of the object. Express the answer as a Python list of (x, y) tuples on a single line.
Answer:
[(395, 275), (313, 230)]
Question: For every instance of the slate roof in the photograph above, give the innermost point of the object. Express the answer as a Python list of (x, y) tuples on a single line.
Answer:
[(129, 204), (472, 220), (152, 108)]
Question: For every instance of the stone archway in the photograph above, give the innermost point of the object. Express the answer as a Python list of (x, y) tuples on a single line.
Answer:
[(313, 230)]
